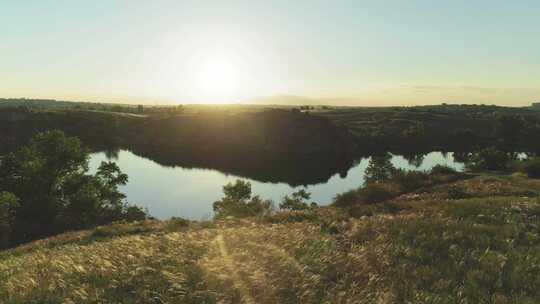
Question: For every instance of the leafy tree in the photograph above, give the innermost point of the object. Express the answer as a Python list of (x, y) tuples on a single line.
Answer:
[(348, 198), (415, 159), (509, 128), (297, 201), (532, 168), (465, 138), (489, 159), (380, 169), (532, 130), (37, 175), (8, 205), (56, 193), (463, 156), (415, 130), (239, 191), (238, 202)]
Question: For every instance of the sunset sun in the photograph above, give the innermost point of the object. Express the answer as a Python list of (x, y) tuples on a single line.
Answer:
[(217, 79)]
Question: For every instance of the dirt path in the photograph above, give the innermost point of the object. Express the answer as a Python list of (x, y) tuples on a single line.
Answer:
[(221, 265)]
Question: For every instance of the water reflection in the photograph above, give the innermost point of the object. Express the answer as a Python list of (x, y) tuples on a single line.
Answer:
[(189, 193)]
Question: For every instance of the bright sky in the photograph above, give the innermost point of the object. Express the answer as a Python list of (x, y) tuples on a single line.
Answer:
[(348, 52)]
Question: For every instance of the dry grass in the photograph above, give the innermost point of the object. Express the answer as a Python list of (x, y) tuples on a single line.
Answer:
[(475, 250)]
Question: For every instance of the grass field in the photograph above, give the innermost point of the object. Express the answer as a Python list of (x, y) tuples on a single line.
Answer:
[(423, 247)]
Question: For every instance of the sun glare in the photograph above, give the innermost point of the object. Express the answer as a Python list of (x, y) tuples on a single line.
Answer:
[(218, 80)]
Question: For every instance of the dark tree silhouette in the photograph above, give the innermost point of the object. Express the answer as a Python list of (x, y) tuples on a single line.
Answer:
[(380, 169), (238, 202), (297, 201), (50, 180)]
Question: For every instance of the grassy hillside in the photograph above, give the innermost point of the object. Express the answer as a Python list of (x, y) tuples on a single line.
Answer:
[(471, 241)]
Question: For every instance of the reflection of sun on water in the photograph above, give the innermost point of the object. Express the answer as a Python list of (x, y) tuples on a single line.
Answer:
[(217, 80)]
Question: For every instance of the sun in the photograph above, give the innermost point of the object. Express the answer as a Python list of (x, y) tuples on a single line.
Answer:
[(217, 80)]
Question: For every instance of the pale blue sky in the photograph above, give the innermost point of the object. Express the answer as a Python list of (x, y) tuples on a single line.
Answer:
[(349, 52)]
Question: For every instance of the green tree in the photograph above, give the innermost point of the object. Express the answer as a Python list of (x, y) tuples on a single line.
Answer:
[(380, 169), (238, 202), (489, 159), (415, 159), (464, 138), (297, 201), (414, 131), (532, 167), (56, 193), (8, 206), (509, 128)]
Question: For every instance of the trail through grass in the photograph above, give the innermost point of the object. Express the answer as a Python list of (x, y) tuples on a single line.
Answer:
[(230, 268), (427, 248)]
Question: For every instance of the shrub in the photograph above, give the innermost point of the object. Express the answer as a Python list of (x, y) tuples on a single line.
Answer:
[(123, 228), (369, 194), (455, 192), (373, 209), (346, 198), (292, 216), (532, 168), (134, 213), (8, 204), (489, 159), (177, 223), (376, 193), (297, 201), (410, 180), (238, 202), (443, 169)]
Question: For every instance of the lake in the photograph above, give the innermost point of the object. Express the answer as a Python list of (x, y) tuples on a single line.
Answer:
[(190, 193)]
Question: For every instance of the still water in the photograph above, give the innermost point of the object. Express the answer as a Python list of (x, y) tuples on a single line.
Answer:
[(189, 193)]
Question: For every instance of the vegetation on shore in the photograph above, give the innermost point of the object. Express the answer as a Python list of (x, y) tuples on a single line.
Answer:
[(421, 247), (250, 143), (45, 189), (253, 139), (423, 237), (402, 237)]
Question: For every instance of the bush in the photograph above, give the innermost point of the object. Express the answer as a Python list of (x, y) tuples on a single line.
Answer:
[(8, 204), (532, 168), (134, 213), (292, 216), (297, 201), (490, 159), (346, 198), (410, 180), (373, 209), (177, 224), (369, 194), (455, 192), (376, 193), (123, 228), (238, 202), (443, 170)]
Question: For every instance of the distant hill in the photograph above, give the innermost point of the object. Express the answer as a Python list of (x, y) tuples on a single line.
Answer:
[(49, 103), (284, 100)]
